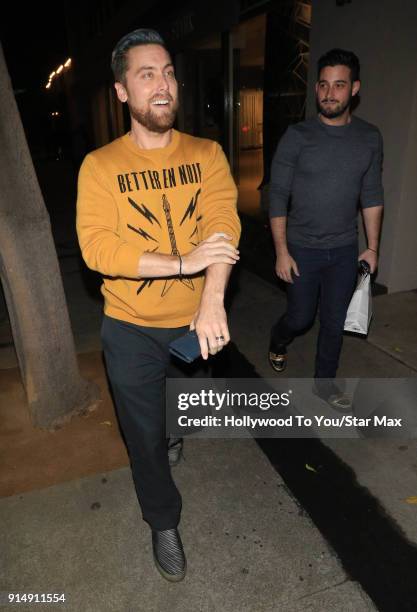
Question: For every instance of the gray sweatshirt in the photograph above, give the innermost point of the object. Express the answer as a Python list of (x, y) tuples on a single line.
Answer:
[(320, 174)]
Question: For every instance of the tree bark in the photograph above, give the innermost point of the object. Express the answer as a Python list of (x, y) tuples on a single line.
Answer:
[(32, 282)]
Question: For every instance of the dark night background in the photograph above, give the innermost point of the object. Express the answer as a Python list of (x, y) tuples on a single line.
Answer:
[(34, 44)]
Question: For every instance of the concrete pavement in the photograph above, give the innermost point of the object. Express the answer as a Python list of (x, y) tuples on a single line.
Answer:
[(250, 546)]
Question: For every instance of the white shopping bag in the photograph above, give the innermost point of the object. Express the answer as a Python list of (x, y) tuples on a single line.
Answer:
[(359, 312)]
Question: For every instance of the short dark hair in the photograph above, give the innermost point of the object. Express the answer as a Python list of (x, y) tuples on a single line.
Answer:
[(340, 57), (143, 36)]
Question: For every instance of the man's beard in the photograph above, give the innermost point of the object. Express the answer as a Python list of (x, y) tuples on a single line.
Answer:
[(159, 122), (334, 111)]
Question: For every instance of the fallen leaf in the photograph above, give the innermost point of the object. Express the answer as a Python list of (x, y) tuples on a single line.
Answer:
[(412, 499), (106, 423)]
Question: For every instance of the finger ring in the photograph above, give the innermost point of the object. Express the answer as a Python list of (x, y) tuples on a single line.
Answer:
[(220, 338)]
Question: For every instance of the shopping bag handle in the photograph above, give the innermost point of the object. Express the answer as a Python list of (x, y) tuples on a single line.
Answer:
[(364, 267)]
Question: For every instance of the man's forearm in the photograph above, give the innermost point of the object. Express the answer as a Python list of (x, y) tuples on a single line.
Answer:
[(372, 218), (216, 279), (158, 265), (279, 234)]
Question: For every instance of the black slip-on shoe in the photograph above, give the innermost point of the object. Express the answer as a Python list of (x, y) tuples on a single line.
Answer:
[(277, 361), (175, 451), (168, 554)]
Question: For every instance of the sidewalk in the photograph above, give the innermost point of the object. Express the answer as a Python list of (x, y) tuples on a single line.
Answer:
[(72, 524), (229, 491), (249, 546)]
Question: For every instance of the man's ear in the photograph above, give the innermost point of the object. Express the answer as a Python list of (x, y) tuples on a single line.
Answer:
[(120, 91), (356, 87)]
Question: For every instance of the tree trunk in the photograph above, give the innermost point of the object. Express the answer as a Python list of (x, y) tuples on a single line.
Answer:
[(32, 281)]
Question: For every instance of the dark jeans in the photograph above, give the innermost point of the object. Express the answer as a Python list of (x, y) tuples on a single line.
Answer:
[(325, 274), (138, 362)]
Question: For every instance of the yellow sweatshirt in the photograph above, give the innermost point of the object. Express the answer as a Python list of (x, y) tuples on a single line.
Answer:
[(167, 200)]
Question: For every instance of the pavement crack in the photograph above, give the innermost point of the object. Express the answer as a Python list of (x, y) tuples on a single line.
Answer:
[(390, 354), (323, 590)]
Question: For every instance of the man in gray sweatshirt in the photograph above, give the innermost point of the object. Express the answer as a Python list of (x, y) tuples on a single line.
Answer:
[(324, 168)]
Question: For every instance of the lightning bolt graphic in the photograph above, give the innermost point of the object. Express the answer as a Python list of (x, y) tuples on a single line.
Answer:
[(191, 207), (141, 232), (146, 283), (144, 211)]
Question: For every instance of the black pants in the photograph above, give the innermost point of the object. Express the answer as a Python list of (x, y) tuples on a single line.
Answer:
[(328, 274), (138, 362)]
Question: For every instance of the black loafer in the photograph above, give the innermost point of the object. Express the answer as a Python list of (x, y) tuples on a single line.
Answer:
[(278, 361), (168, 554)]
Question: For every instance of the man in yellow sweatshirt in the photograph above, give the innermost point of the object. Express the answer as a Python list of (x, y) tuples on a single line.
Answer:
[(156, 216)]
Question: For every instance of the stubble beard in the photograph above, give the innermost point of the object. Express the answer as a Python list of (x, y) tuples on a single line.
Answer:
[(159, 122), (336, 111)]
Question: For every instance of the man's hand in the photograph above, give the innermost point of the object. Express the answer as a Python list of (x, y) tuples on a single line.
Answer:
[(214, 250), (210, 323), (284, 266), (371, 258)]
